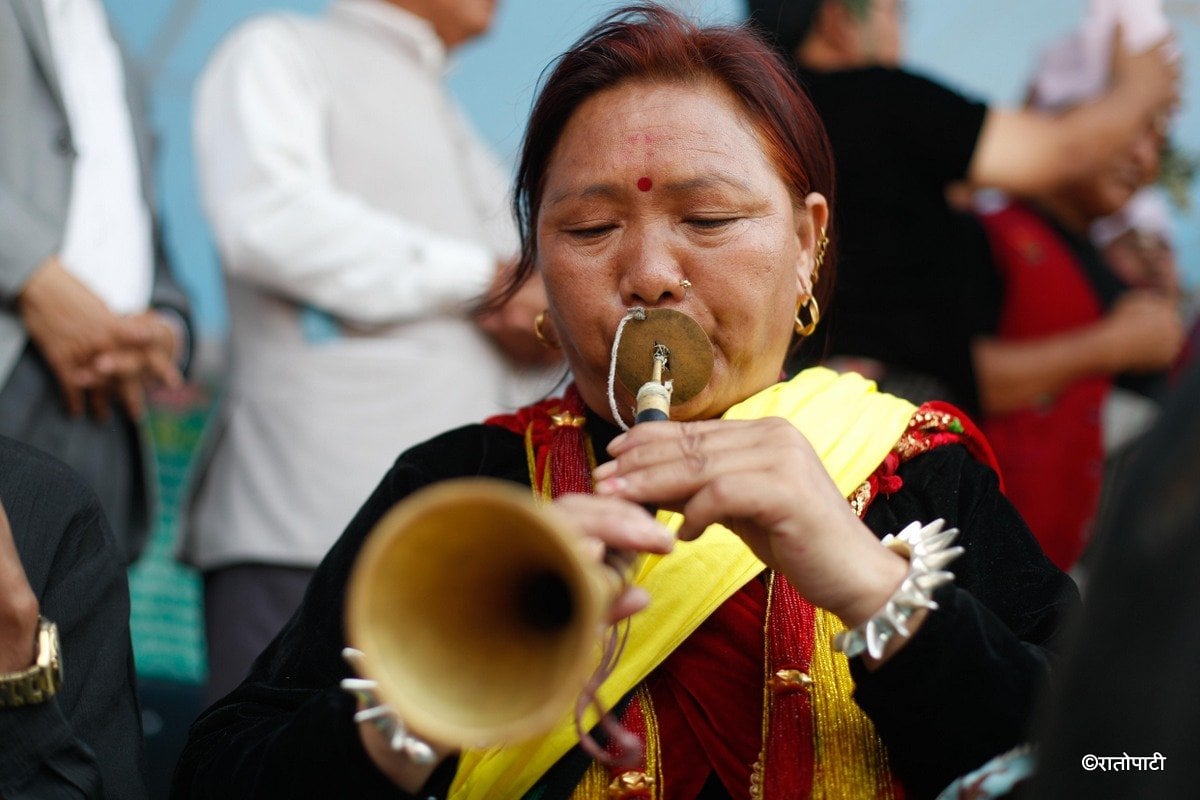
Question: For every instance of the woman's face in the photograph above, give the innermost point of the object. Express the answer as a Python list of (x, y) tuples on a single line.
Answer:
[(652, 184)]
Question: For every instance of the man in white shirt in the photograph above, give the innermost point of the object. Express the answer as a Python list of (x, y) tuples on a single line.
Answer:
[(359, 220), (90, 314)]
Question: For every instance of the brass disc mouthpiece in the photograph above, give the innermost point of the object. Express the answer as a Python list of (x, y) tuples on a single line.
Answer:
[(689, 360)]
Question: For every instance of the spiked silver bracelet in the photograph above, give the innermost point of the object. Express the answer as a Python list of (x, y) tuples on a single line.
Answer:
[(927, 549), (381, 715)]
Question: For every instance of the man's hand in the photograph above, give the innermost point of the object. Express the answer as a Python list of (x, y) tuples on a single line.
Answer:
[(511, 325), (18, 606), (95, 355), (70, 325), (143, 358)]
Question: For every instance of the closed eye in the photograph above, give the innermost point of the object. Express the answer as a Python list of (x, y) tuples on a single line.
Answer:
[(710, 223), (589, 232)]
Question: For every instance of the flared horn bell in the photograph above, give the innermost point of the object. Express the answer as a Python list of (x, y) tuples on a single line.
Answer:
[(477, 612)]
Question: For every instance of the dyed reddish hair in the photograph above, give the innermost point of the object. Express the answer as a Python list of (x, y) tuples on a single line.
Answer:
[(651, 43)]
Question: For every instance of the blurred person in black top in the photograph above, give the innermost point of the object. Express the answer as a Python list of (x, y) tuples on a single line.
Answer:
[(916, 286), (1140, 623)]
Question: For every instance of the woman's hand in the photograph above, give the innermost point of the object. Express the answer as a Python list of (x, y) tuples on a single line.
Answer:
[(615, 529), (1144, 332), (762, 480), (397, 765), (1153, 74)]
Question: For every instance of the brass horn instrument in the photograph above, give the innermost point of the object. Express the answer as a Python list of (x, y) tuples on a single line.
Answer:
[(476, 609), (476, 612)]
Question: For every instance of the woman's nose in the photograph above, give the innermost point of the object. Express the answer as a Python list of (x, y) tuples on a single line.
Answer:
[(651, 274)]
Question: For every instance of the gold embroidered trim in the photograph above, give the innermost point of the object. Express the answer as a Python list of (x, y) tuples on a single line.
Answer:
[(565, 419), (653, 746), (911, 445), (850, 760), (540, 493), (758, 772), (599, 784), (861, 499)]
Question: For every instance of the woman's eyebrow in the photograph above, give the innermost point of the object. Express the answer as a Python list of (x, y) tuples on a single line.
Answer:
[(610, 191), (607, 191), (707, 181)]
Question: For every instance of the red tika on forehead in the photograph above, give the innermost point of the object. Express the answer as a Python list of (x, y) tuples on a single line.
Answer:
[(645, 184)]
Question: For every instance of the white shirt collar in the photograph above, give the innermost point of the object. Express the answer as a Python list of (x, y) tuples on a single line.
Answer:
[(413, 32)]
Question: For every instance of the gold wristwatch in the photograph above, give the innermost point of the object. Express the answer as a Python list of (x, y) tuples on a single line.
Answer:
[(38, 683)]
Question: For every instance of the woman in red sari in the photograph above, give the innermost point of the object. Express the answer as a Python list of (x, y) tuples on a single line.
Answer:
[(1075, 345)]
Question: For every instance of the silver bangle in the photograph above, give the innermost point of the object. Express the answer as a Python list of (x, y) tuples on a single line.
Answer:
[(927, 549), (381, 715)]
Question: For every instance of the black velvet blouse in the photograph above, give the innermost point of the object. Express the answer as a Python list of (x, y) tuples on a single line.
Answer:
[(959, 693)]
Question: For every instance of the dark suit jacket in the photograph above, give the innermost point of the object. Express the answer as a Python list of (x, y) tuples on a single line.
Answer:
[(87, 740)]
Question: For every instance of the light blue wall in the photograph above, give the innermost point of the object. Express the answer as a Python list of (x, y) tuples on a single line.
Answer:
[(984, 47)]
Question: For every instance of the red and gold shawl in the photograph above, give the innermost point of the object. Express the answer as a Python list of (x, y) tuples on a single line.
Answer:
[(813, 734)]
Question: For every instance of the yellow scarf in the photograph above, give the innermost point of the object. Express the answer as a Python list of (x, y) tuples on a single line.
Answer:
[(851, 427)]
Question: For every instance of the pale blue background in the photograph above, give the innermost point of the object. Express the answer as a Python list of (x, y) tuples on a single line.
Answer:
[(984, 47)]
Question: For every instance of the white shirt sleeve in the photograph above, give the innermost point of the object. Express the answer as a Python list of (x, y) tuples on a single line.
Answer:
[(279, 220)]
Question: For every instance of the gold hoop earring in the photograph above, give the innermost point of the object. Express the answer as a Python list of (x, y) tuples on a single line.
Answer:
[(546, 341), (814, 316)]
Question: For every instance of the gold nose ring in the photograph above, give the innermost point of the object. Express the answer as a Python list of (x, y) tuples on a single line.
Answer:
[(686, 284)]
